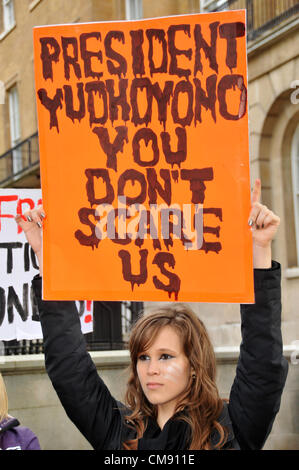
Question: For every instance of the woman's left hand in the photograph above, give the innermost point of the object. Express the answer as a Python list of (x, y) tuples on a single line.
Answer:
[(264, 224)]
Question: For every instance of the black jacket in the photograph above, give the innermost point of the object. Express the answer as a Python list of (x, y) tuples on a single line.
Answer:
[(254, 399)]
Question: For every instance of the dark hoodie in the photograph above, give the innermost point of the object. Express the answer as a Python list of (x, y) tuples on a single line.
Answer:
[(16, 437)]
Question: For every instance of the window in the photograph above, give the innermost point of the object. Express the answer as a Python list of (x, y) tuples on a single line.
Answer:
[(8, 15), (134, 9), (15, 128), (295, 177)]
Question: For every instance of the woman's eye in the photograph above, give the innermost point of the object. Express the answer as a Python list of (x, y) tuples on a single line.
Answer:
[(166, 356), (142, 357)]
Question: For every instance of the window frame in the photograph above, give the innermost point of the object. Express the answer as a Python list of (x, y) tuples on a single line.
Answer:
[(206, 4), (134, 9), (15, 127), (33, 4), (9, 20), (2, 92), (295, 184)]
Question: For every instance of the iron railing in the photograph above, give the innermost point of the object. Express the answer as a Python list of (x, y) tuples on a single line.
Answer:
[(19, 160), (112, 322), (262, 15)]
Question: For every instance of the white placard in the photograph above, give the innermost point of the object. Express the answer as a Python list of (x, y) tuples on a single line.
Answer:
[(18, 265)]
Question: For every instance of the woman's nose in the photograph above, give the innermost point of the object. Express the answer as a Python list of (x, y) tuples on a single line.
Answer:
[(153, 367)]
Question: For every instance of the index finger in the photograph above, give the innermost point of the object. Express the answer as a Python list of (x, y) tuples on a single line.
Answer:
[(256, 192)]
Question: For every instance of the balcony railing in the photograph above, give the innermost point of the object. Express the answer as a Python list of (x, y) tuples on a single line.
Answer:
[(262, 15), (19, 160)]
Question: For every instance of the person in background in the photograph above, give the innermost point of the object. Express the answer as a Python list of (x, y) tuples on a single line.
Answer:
[(12, 435)]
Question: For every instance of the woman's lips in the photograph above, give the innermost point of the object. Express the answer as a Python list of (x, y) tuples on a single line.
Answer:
[(153, 385)]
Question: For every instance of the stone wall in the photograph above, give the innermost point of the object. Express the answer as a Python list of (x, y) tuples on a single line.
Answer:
[(33, 400)]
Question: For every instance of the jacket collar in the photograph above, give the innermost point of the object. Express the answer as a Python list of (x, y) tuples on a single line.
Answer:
[(176, 434), (8, 423)]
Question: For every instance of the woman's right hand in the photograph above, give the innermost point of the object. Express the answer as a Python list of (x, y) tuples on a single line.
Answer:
[(31, 222)]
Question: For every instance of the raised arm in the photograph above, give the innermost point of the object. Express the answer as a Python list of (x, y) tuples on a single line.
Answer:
[(264, 224), (261, 371), (84, 396)]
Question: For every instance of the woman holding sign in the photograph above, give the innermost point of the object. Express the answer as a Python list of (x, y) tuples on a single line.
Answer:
[(172, 402)]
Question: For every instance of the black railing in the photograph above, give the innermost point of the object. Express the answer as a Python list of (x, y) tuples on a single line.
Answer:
[(262, 15), (19, 159), (112, 322)]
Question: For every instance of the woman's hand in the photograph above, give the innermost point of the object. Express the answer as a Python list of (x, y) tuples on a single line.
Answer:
[(31, 223), (264, 225)]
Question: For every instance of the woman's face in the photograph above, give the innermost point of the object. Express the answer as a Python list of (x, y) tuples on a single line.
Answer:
[(163, 369)]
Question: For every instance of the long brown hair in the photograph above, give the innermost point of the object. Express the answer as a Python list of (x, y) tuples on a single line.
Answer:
[(201, 399)]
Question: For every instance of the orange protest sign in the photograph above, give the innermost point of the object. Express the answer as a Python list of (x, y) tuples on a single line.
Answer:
[(143, 132)]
